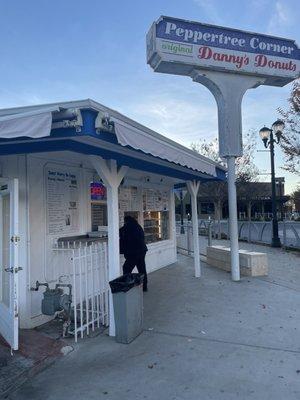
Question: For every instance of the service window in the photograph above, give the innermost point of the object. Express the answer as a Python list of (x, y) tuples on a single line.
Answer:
[(156, 226), (156, 215)]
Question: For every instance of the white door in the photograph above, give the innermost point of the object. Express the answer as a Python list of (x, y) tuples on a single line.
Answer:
[(9, 239)]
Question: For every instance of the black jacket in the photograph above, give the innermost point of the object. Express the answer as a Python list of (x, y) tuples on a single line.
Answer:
[(132, 239)]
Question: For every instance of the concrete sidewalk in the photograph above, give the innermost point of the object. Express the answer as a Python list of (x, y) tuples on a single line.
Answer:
[(205, 338)]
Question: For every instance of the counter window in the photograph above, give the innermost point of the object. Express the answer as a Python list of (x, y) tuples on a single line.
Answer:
[(156, 226)]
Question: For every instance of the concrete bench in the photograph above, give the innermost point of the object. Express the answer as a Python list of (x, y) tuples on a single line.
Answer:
[(251, 263)]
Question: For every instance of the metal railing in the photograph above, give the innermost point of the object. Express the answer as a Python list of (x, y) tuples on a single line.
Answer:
[(251, 231), (84, 266)]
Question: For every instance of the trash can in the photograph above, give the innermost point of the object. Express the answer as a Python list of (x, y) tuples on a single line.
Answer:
[(127, 293)]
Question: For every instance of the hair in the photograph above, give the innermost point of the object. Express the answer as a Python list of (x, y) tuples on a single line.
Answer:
[(129, 219)]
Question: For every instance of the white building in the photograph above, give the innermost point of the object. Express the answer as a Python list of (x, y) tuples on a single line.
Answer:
[(54, 161)]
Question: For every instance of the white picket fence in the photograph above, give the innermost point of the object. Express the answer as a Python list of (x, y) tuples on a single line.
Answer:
[(85, 267)]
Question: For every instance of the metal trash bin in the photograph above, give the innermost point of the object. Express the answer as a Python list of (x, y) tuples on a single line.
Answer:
[(127, 293)]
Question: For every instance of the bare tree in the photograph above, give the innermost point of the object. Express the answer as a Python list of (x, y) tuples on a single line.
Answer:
[(246, 170), (290, 141), (245, 167)]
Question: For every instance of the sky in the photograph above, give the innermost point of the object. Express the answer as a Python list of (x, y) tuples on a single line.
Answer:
[(70, 50)]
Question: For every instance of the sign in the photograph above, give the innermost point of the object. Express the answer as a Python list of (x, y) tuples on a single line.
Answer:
[(179, 47), (98, 191), (62, 191), (155, 200)]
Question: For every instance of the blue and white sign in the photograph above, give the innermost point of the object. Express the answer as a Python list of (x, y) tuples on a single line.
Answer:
[(177, 46)]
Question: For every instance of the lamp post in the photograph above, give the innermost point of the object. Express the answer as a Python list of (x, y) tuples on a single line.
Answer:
[(267, 136)]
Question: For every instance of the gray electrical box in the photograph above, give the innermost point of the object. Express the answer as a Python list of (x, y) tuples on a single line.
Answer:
[(51, 301)]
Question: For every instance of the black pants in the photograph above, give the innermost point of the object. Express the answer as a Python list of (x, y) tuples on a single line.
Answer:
[(138, 261)]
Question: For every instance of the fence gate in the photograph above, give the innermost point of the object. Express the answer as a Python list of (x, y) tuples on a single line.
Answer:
[(85, 267)]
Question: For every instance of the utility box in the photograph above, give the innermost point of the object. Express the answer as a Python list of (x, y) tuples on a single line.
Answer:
[(128, 306), (51, 301)]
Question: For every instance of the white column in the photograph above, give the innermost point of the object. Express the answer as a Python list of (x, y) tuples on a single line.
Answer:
[(112, 177), (228, 90), (193, 188), (233, 221), (172, 217)]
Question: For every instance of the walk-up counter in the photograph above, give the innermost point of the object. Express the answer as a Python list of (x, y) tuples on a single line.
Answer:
[(70, 172)]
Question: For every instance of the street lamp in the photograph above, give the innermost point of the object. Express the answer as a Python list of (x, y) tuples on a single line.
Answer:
[(267, 136)]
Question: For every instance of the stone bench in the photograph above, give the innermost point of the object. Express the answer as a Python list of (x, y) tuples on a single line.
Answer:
[(251, 263)]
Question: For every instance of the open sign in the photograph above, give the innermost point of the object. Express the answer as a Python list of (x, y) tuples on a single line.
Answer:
[(98, 191)]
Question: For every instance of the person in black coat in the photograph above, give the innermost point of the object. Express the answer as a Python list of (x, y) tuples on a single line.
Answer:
[(133, 246)]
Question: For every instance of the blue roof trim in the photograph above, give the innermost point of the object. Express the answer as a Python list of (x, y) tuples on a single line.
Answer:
[(70, 145), (136, 163), (221, 174), (30, 146), (88, 129), (89, 117)]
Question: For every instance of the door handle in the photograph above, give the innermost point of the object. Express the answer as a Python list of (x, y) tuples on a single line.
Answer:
[(13, 270)]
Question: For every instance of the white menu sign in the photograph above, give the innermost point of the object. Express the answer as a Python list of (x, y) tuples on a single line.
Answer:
[(155, 200), (62, 199)]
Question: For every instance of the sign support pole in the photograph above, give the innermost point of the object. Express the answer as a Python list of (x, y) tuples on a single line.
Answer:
[(193, 188), (233, 221), (228, 91)]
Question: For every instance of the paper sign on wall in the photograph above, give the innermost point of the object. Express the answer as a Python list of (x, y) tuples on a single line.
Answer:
[(62, 200), (155, 200)]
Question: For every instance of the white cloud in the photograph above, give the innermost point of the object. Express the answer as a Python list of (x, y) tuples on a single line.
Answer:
[(19, 98), (281, 18), (179, 119), (210, 9)]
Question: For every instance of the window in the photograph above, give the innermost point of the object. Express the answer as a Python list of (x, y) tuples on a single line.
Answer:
[(156, 226)]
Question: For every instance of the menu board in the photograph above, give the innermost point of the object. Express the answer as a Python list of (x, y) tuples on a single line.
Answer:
[(128, 199), (62, 199), (155, 200)]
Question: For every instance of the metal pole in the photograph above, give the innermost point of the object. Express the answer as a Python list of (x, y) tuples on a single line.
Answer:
[(209, 232), (233, 221), (281, 202), (188, 244), (193, 189), (275, 239), (181, 214), (195, 237)]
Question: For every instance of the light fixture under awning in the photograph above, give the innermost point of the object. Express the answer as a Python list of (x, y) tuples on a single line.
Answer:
[(34, 124), (150, 144)]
